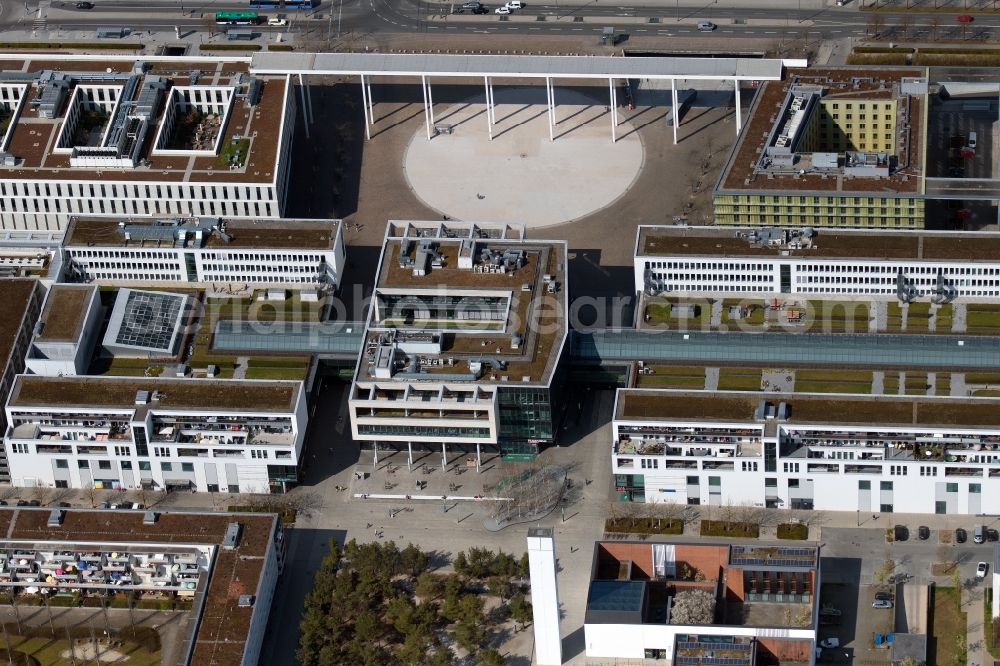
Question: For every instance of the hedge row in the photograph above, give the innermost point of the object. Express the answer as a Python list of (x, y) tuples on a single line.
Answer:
[(107, 46), (644, 525), (230, 47), (723, 528), (793, 531)]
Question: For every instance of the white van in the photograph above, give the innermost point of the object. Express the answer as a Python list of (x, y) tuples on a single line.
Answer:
[(972, 140), (978, 534)]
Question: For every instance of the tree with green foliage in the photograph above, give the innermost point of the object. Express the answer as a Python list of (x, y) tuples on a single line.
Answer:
[(499, 586), (489, 658), (520, 610), (429, 586)]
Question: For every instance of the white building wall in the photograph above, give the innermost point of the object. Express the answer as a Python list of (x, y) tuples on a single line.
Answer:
[(754, 276), (630, 641), (917, 486), (262, 604)]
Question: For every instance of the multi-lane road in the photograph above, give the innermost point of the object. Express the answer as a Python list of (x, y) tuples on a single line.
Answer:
[(801, 19)]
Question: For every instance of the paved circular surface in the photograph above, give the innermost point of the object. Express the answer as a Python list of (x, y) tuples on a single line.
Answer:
[(520, 176)]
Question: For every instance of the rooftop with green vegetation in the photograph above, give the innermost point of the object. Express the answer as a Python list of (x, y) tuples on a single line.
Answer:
[(240, 234), (120, 392), (739, 407), (17, 294), (64, 312), (826, 244)]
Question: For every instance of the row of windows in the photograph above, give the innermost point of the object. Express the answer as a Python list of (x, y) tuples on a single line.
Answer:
[(22, 188), (138, 207), (176, 255)]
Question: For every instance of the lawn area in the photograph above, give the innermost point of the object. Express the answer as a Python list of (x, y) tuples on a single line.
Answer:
[(297, 374), (756, 314), (894, 317), (839, 316), (945, 318), (890, 382), (915, 383), (982, 378), (48, 652), (982, 318), (659, 314), (942, 383), (990, 393), (672, 377), (918, 317), (833, 381), (992, 632), (948, 627), (739, 379)]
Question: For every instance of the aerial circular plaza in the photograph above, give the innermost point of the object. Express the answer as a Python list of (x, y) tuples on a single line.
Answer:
[(521, 176)]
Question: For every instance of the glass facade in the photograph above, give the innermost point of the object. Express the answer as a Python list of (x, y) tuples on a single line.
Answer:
[(422, 431), (525, 420)]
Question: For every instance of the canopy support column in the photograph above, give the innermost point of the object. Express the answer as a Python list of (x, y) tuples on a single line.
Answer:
[(674, 111), (614, 110), (427, 116), (489, 103), (364, 107), (371, 102), (739, 115), (550, 107)]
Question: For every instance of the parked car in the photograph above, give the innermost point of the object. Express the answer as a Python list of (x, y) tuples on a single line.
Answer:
[(135, 506), (923, 533), (882, 600), (103, 505), (514, 4), (961, 536), (502, 10), (65, 505), (277, 22), (21, 503), (900, 533), (971, 143), (830, 642), (981, 569), (830, 611), (992, 534), (706, 26), (481, 9), (34, 503)]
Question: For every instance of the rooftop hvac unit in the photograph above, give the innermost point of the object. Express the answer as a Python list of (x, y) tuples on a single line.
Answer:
[(246, 601), (56, 518), (142, 397), (232, 539), (149, 518)]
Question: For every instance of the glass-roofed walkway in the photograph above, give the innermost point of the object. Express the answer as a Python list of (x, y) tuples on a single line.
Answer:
[(615, 345)]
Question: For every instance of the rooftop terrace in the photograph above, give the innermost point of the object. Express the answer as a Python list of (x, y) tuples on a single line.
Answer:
[(536, 289), (34, 137), (738, 174), (827, 244), (864, 410), (120, 392), (240, 233), (222, 631)]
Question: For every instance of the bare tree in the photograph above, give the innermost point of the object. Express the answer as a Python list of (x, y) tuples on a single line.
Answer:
[(875, 26), (693, 607), (934, 24), (42, 494), (91, 494), (884, 571), (905, 25)]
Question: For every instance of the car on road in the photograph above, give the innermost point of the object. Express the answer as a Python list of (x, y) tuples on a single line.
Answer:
[(923, 533), (502, 10), (961, 536), (830, 643), (706, 26), (514, 4), (882, 601), (277, 22), (84, 5), (981, 569), (481, 10)]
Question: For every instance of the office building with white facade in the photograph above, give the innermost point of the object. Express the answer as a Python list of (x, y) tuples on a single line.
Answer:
[(141, 137), (691, 604), (818, 263), (125, 432), (824, 452), (231, 254), (218, 571), (463, 340)]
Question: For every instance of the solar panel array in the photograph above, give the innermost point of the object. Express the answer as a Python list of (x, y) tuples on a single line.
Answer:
[(149, 320), (707, 645), (781, 557)]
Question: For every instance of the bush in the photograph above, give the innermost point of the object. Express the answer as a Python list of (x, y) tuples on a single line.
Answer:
[(793, 531), (230, 47), (884, 49), (644, 525), (723, 528), (280, 47), (90, 46), (877, 59)]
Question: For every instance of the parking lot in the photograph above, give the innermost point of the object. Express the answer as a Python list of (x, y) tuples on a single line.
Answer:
[(948, 126), (857, 624)]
